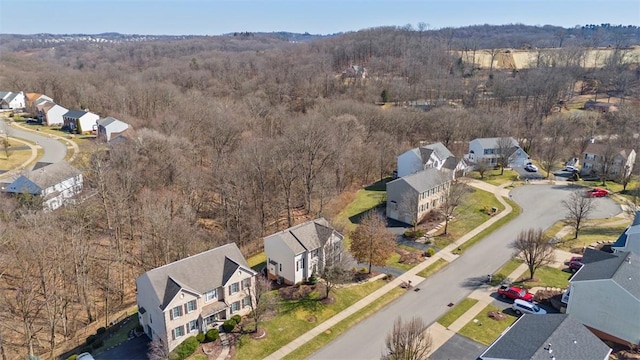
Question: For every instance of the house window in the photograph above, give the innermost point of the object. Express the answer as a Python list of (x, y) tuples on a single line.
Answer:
[(176, 312), (246, 283), (234, 288), (210, 295), (190, 306), (178, 332), (300, 264), (280, 267), (314, 253), (246, 302), (235, 307), (193, 325)]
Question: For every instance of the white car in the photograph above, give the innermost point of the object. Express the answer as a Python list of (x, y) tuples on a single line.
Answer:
[(85, 356), (524, 307), (571, 168), (531, 168)]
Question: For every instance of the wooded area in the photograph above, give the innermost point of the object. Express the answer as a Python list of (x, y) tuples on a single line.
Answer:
[(240, 136)]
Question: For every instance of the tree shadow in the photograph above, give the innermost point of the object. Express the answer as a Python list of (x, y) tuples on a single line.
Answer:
[(380, 185), (357, 218), (310, 302)]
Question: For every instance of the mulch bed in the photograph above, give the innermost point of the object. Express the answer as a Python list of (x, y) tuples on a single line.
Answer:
[(497, 315), (212, 349), (297, 292)]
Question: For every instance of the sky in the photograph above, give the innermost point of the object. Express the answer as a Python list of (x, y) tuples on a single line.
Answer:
[(216, 17)]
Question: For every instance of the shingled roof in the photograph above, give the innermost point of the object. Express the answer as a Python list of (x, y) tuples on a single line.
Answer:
[(35, 181), (621, 267), (307, 236), (424, 180)]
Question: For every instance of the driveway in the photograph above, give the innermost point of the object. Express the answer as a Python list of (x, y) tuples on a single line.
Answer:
[(134, 349), (524, 174), (54, 150), (541, 208)]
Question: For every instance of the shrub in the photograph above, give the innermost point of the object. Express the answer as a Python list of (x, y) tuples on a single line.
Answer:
[(212, 335), (101, 330), (73, 357), (313, 279), (97, 344), (91, 339), (364, 269), (200, 337), (229, 325), (430, 252), (187, 347), (237, 319)]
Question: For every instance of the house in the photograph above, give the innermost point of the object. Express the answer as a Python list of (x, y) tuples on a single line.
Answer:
[(11, 100), (629, 240), (428, 156), (33, 99), (619, 161), (110, 127), (56, 184), (194, 294), (602, 107), (80, 121), (295, 253), (604, 295), (544, 337), (355, 71), (50, 113), (488, 150), (411, 197)]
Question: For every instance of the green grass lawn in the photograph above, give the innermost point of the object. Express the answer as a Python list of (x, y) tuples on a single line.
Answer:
[(553, 230), (121, 335), (590, 235), (321, 340), (512, 215), (16, 157), (293, 320), (394, 260), (433, 268), (493, 176), (468, 216), (486, 329), (547, 276), (198, 357), (365, 199), (257, 261), (505, 271), (453, 314)]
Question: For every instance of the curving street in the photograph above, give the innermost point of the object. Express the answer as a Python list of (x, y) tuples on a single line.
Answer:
[(54, 150), (541, 206)]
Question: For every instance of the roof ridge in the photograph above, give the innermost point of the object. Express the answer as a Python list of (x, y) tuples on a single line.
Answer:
[(190, 257)]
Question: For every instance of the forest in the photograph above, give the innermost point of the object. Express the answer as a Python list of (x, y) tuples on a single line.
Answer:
[(241, 136)]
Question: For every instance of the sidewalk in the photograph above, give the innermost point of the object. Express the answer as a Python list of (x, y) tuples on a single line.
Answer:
[(410, 275)]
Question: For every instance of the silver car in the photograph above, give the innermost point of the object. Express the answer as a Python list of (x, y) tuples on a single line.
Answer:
[(524, 307)]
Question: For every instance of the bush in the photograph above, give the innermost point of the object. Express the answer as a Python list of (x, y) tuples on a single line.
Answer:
[(414, 234), (97, 344), (200, 337), (212, 335), (237, 319), (229, 325), (364, 269), (91, 339), (430, 252), (73, 357), (101, 330), (313, 279), (187, 347)]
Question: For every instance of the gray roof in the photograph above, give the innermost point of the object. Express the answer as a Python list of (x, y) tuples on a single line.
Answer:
[(492, 143), (198, 273), (425, 180), (451, 163), (599, 265), (11, 97), (35, 181), (107, 121), (530, 336), (636, 219), (3, 94), (307, 236), (76, 114), (441, 151)]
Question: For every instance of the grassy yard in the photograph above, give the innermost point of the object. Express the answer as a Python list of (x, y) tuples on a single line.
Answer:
[(468, 216), (512, 215), (121, 334), (433, 268), (453, 314), (486, 329), (493, 176), (321, 340), (553, 230), (547, 276), (365, 199), (16, 157), (297, 317), (505, 271), (590, 235), (258, 261)]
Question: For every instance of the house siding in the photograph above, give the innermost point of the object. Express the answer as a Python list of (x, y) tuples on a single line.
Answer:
[(282, 255), (409, 163), (399, 207), (606, 307)]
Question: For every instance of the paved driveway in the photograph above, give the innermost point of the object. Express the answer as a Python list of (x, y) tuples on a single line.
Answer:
[(524, 174), (541, 208), (134, 349)]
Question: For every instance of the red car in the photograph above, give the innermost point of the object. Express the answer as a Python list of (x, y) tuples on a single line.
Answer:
[(597, 192), (514, 292)]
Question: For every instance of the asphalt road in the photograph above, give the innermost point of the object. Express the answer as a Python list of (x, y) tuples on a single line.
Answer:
[(54, 150), (541, 208)]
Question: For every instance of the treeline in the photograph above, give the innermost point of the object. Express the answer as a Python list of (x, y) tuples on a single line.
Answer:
[(240, 137)]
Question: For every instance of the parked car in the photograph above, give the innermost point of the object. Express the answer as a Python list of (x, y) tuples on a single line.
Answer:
[(524, 307), (571, 168), (573, 258), (531, 168), (85, 356), (575, 265), (515, 293), (597, 192)]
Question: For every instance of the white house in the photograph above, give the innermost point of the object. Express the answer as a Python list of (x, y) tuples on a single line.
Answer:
[(411, 197), (111, 127), (428, 156), (55, 184), (598, 157), (80, 121), (295, 253), (34, 99), (629, 240), (604, 295), (192, 295), (50, 113), (12, 100), (488, 150)]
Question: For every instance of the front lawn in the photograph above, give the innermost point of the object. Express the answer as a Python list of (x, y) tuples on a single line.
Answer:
[(505, 271), (258, 261), (547, 276), (457, 311), (16, 157), (297, 317), (433, 268), (590, 235), (495, 226), (485, 330), (493, 176), (365, 199)]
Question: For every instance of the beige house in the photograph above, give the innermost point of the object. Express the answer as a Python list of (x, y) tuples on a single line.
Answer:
[(600, 158), (410, 198), (192, 295)]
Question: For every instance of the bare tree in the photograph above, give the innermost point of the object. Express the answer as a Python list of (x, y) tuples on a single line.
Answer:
[(533, 247), (453, 197), (506, 148), (261, 302), (604, 164), (408, 340), (481, 167), (157, 350), (578, 207), (335, 270), (371, 241)]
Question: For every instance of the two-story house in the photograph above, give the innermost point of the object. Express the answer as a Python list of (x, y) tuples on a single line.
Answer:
[(428, 156), (80, 121), (490, 150), (411, 197), (194, 294), (294, 254), (12, 100), (629, 240), (55, 184), (607, 160), (110, 127), (50, 113)]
